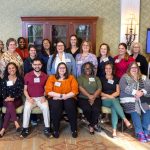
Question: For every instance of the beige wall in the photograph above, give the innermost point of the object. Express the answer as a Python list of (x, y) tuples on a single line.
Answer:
[(108, 11)]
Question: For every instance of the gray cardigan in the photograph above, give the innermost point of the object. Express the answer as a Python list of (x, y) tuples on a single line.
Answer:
[(70, 65), (128, 87)]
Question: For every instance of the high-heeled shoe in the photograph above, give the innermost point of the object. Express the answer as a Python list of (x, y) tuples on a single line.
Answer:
[(1, 135), (91, 130)]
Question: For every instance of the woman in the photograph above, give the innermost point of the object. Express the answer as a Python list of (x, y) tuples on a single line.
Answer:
[(89, 96), (22, 48), (104, 57), (85, 56), (140, 59), (135, 99), (73, 49), (109, 96), (12, 90), (60, 56), (28, 62), (11, 56), (62, 89), (45, 52), (122, 60), (1, 48)]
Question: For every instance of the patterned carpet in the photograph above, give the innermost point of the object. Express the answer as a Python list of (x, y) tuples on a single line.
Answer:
[(100, 141)]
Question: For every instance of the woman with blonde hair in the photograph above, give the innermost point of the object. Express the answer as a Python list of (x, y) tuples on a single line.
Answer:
[(140, 59), (135, 99)]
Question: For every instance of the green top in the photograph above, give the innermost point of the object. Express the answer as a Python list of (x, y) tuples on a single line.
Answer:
[(90, 84)]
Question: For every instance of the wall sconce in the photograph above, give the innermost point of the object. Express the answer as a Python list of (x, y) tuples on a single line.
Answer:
[(130, 30)]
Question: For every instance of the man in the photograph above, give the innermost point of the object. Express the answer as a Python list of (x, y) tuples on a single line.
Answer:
[(34, 93)]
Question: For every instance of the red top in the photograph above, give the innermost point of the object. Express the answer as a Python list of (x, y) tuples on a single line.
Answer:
[(23, 53), (121, 66), (35, 85)]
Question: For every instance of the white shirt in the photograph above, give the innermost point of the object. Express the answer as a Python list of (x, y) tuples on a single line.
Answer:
[(57, 60)]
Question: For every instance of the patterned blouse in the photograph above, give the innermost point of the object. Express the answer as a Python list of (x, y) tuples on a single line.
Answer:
[(7, 57), (80, 60), (14, 91)]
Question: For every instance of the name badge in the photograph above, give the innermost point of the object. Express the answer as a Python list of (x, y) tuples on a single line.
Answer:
[(67, 60), (111, 81), (36, 80), (57, 84), (139, 64), (143, 77), (117, 60), (9, 83), (18, 57), (79, 62), (91, 80), (105, 59)]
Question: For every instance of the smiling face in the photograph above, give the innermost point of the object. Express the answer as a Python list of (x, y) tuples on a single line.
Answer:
[(12, 69), (108, 69), (60, 47), (21, 43), (62, 69), (134, 70), (37, 66), (73, 41), (136, 48), (103, 50), (46, 44), (86, 47), (87, 70), (122, 50), (32, 52), (12, 46)]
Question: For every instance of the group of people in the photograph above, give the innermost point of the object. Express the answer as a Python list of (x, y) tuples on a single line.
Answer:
[(63, 79)]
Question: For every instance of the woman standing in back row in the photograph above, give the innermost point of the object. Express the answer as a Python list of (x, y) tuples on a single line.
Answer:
[(122, 60)]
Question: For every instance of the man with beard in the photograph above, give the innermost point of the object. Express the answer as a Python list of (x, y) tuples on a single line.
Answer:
[(34, 93)]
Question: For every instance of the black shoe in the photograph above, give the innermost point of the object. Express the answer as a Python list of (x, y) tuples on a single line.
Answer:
[(19, 129), (47, 132), (56, 134), (25, 132), (75, 134)]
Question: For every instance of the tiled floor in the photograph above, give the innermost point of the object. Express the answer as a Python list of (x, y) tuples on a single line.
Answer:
[(85, 141)]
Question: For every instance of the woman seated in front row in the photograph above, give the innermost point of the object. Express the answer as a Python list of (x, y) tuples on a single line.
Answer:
[(62, 89), (135, 99), (12, 90), (89, 96), (109, 96)]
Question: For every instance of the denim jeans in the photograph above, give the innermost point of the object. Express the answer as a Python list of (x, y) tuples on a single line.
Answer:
[(142, 122)]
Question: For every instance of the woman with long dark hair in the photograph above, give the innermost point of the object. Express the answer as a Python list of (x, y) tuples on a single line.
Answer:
[(62, 88), (12, 90), (122, 60), (45, 53), (74, 48)]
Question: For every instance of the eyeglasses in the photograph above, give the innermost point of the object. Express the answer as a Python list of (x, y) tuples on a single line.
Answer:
[(60, 45), (37, 64), (134, 67), (87, 69), (62, 67)]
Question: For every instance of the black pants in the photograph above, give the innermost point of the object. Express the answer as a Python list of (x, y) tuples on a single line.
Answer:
[(57, 107), (91, 112)]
